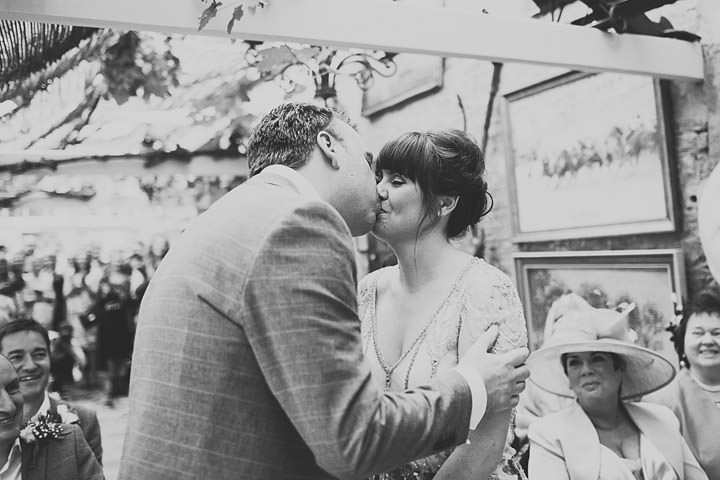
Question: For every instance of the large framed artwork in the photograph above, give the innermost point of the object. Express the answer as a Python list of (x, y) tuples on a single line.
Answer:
[(651, 279), (588, 157)]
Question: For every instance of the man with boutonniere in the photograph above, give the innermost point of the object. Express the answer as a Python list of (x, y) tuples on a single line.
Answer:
[(41, 450), (27, 345)]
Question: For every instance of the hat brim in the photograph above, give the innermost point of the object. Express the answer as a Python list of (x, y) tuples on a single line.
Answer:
[(645, 370)]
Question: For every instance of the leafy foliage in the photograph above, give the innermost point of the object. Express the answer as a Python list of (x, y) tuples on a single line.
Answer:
[(241, 8), (273, 60), (130, 67), (209, 13)]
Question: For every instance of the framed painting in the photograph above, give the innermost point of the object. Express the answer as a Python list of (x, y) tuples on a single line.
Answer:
[(416, 75), (588, 157), (651, 279)]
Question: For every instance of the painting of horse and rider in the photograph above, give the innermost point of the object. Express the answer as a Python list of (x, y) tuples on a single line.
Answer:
[(588, 156)]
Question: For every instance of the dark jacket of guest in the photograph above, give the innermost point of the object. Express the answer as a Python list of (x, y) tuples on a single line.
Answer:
[(113, 317)]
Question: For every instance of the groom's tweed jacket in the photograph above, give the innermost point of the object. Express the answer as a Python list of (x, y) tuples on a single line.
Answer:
[(248, 361)]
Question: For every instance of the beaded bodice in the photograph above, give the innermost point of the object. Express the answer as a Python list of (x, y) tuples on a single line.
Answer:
[(481, 296)]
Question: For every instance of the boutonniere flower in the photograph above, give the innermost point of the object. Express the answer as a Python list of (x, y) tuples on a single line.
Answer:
[(38, 433), (41, 431)]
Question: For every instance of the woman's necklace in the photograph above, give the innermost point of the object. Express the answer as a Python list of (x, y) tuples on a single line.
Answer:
[(389, 370)]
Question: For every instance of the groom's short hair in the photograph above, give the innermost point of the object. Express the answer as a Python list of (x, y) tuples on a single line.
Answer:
[(287, 135)]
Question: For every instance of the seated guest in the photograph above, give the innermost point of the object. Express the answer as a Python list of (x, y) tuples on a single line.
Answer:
[(604, 436), (694, 396), (63, 454), (26, 344), (534, 401)]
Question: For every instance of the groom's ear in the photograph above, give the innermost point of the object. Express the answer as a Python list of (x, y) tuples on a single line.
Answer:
[(328, 145)]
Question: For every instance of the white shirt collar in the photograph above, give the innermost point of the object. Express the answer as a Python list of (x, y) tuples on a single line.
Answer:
[(13, 467), (297, 180), (44, 407)]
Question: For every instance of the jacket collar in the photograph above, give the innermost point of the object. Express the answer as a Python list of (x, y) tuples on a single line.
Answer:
[(581, 443), (667, 442), (286, 176)]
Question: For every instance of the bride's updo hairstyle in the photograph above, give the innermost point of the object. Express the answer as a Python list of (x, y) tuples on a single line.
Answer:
[(446, 162)]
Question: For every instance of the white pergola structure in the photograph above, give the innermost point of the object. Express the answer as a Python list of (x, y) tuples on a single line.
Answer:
[(389, 26)]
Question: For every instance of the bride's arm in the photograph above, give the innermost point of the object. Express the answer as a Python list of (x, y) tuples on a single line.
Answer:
[(491, 299)]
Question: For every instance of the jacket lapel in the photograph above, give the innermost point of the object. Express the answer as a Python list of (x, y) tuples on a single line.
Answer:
[(28, 471), (581, 445), (666, 441)]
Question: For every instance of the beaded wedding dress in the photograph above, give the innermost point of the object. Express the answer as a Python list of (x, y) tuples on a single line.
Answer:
[(436, 347)]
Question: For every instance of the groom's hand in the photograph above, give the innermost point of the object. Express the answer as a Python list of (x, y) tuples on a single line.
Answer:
[(504, 374)]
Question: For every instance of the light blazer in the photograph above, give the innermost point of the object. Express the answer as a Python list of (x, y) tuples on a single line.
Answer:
[(68, 458), (569, 436), (248, 360), (699, 419), (88, 423)]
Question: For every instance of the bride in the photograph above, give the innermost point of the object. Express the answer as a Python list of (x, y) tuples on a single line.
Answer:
[(419, 317)]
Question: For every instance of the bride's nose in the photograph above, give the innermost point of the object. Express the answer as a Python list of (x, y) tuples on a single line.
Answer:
[(382, 191)]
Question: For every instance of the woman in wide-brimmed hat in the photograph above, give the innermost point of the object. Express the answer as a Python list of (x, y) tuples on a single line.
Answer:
[(604, 435)]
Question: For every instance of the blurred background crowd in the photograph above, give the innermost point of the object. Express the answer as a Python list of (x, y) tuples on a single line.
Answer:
[(88, 302)]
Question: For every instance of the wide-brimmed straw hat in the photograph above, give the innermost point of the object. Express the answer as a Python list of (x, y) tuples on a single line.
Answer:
[(581, 328)]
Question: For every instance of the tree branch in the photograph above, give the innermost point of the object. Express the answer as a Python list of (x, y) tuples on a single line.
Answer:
[(494, 88)]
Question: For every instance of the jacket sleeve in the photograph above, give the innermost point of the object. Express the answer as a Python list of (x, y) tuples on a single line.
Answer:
[(87, 466), (299, 312), (691, 467), (91, 430), (546, 457)]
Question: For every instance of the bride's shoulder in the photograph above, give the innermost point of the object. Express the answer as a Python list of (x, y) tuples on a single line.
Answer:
[(490, 297), (485, 279), (373, 280)]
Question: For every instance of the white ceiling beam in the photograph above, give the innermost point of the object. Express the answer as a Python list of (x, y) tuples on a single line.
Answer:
[(389, 26)]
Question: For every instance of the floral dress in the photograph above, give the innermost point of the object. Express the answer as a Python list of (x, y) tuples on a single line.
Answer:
[(481, 296)]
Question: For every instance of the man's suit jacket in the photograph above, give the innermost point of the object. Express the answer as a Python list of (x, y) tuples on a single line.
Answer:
[(565, 444), (68, 458), (88, 423), (248, 360)]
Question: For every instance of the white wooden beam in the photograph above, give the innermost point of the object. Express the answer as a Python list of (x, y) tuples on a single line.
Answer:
[(389, 26)]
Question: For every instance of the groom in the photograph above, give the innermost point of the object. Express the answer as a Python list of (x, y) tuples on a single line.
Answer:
[(248, 360)]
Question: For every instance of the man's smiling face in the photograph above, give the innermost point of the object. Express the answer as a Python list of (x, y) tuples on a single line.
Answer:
[(28, 353)]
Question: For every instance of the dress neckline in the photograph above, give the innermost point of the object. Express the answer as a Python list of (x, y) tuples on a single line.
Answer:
[(419, 339)]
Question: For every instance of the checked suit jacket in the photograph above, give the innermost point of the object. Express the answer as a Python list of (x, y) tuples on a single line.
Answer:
[(248, 361)]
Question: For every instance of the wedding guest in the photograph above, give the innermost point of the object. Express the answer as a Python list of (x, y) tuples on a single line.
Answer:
[(112, 313), (605, 435), (44, 449), (694, 396), (27, 345)]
